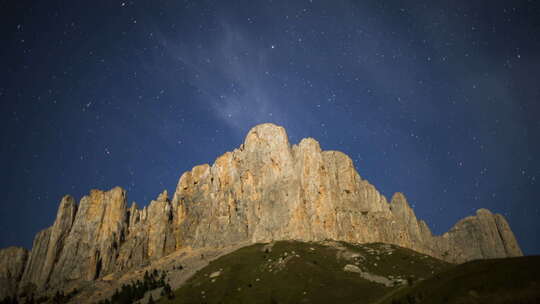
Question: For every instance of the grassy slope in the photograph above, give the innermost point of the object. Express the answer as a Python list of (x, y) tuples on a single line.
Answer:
[(512, 280), (312, 274)]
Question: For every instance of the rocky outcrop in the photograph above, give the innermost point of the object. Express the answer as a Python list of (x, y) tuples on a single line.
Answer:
[(48, 245), (483, 236), (265, 190), (91, 248), (160, 233)]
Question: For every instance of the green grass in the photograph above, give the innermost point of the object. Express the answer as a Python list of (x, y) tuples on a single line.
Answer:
[(403, 261), (510, 280), (312, 273)]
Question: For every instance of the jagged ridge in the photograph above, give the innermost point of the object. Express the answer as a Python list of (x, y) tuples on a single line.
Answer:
[(265, 190)]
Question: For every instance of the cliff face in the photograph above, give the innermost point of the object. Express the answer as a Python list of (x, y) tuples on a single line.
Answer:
[(12, 262), (265, 190)]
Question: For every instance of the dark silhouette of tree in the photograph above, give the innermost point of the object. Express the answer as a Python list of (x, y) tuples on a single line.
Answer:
[(136, 290)]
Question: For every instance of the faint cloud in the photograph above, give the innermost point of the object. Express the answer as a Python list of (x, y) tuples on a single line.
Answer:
[(232, 71)]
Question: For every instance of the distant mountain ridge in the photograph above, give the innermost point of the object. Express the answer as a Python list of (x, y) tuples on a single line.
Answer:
[(263, 191)]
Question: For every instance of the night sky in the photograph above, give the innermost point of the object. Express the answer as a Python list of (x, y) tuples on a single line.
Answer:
[(440, 102)]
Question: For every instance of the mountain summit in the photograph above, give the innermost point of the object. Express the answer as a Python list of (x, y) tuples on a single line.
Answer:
[(265, 190)]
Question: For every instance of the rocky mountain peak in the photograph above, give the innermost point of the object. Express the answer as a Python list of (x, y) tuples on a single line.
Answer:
[(400, 206), (163, 196), (266, 137), (66, 212), (310, 144)]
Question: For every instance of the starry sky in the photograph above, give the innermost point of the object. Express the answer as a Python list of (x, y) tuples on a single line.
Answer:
[(438, 101)]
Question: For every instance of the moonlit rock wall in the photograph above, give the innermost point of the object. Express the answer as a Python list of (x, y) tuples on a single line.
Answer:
[(265, 190)]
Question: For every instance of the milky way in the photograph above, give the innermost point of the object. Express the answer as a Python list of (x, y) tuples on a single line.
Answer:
[(438, 102)]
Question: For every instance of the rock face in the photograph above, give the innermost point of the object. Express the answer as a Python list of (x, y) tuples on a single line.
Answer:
[(12, 262), (265, 190), (48, 244)]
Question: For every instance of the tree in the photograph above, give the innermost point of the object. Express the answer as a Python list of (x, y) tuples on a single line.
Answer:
[(146, 277), (168, 291), (58, 297)]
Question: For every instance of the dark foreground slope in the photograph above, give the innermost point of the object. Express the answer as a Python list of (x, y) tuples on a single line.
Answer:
[(497, 281), (296, 272)]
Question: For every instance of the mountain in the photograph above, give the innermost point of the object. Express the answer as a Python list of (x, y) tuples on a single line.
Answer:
[(266, 190)]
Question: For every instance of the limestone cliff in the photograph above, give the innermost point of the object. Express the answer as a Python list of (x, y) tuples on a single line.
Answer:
[(265, 190)]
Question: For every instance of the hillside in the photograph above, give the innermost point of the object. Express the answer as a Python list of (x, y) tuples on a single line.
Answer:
[(495, 281), (297, 272)]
